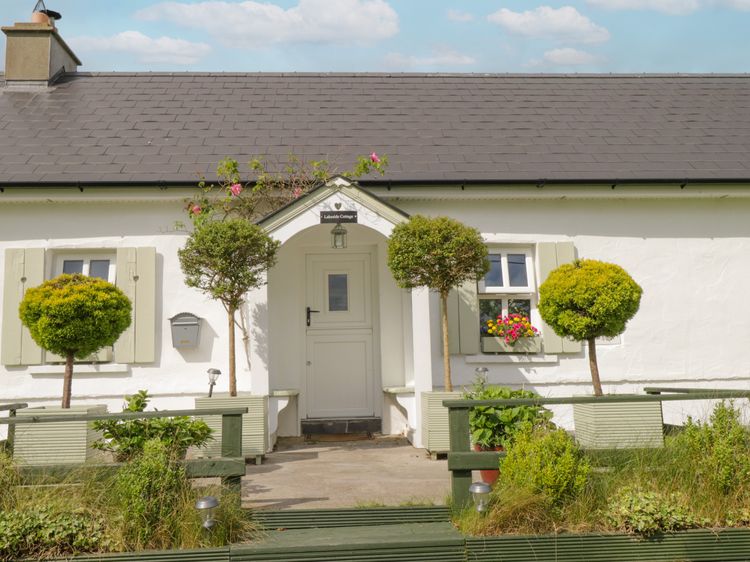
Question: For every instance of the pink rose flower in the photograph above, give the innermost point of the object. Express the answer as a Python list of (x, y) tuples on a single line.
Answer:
[(236, 189), (196, 209), (374, 158), (297, 192)]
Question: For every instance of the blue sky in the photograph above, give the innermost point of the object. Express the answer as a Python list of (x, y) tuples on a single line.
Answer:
[(403, 35)]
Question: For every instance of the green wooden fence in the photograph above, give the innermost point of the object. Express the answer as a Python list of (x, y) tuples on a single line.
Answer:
[(461, 460), (230, 467), (11, 409)]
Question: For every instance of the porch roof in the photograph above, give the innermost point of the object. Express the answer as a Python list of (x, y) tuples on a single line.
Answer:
[(150, 128)]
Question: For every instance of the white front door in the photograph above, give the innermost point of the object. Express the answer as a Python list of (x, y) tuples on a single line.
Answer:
[(339, 344)]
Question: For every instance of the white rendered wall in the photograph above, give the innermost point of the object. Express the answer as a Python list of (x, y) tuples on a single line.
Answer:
[(690, 257)]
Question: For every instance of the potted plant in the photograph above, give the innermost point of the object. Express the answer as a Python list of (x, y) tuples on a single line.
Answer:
[(510, 334), (585, 300), (493, 428), (72, 316)]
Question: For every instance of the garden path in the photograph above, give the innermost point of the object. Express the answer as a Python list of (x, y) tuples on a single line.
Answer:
[(352, 473)]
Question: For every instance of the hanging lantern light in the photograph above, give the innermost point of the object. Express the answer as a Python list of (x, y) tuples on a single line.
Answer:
[(338, 237)]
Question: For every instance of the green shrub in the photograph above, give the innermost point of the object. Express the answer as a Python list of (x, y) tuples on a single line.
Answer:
[(719, 450), (126, 438), (149, 493), (647, 513), (496, 426), (43, 532), (545, 462)]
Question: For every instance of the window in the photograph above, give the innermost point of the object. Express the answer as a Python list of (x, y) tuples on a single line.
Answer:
[(508, 287), (91, 264)]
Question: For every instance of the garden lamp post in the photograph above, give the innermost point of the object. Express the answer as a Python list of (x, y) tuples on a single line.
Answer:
[(480, 493), (206, 507), (213, 374)]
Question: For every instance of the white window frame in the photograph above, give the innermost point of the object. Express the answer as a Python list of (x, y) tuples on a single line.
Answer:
[(86, 256), (506, 292)]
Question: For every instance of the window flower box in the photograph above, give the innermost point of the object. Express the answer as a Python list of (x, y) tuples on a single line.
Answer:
[(522, 345)]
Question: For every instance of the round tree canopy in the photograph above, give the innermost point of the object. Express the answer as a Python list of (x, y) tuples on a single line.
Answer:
[(75, 314), (439, 253), (588, 299)]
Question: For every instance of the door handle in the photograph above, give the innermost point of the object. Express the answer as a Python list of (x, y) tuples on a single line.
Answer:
[(309, 311)]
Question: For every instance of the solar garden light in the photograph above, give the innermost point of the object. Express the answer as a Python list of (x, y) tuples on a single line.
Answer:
[(213, 374), (206, 507), (480, 493), (481, 372)]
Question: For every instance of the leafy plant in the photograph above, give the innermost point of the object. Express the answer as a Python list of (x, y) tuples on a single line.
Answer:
[(511, 328), (588, 299), (496, 426), (45, 532), (127, 438), (439, 253), (225, 260), (545, 462), (74, 316), (149, 492), (648, 513), (719, 450)]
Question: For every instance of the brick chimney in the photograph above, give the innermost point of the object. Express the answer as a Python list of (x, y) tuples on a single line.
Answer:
[(36, 55)]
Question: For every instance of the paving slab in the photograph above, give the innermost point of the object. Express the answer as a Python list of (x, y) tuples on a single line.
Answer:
[(352, 473)]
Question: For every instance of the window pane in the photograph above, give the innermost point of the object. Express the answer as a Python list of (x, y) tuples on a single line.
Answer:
[(338, 293), (99, 268), (519, 306), (494, 277), (73, 266), (489, 309), (517, 270)]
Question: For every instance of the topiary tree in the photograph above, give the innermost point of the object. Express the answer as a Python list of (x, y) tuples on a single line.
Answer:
[(74, 316), (439, 253), (588, 299), (225, 260)]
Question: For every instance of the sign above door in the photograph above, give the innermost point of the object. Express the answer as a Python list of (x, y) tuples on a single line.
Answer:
[(337, 216)]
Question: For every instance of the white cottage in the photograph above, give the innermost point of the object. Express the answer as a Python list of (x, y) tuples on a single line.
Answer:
[(648, 171)]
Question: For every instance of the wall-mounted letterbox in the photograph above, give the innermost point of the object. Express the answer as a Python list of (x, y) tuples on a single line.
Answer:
[(186, 330)]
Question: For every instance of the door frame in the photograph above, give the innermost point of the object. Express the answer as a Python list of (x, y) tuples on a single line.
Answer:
[(372, 252)]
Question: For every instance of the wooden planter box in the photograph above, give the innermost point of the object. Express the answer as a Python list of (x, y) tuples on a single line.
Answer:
[(700, 545), (58, 442), (523, 345), (254, 424), (435, 429), (619, 425)]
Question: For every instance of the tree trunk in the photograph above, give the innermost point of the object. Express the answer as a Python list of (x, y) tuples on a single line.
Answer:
[(447, 383), (67, 380), (232, 354), (594, 368)]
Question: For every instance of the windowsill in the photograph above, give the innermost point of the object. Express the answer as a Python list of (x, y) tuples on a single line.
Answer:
[(81, 370), (511, 358)]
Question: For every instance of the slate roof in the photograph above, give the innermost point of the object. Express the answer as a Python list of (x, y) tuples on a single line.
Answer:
[(147, 127)]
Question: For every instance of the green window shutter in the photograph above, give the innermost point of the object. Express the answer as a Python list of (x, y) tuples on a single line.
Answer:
[(136, 276), (24, 268), (463, 320), (550, 255)]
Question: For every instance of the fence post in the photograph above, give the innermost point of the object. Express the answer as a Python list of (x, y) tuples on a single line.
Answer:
[(231, 446), (458, 420), (11, 431)]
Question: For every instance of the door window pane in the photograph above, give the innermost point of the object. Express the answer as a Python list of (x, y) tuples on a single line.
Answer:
[(73, 266), (99, 268), (338, 292), (494, 277), (517, 270), (519, 306)]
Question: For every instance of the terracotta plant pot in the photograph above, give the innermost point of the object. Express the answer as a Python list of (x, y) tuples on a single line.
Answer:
[(488, 476)]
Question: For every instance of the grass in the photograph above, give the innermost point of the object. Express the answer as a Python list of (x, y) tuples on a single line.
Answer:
[(133, 509), (699, 478)]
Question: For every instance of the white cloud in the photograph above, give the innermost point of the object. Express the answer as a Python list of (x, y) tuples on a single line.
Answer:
[(743, 5), (255, 24), (458, 15), (563, 24), (666, 6), (568, 57), (146, 49), (440, 57)]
